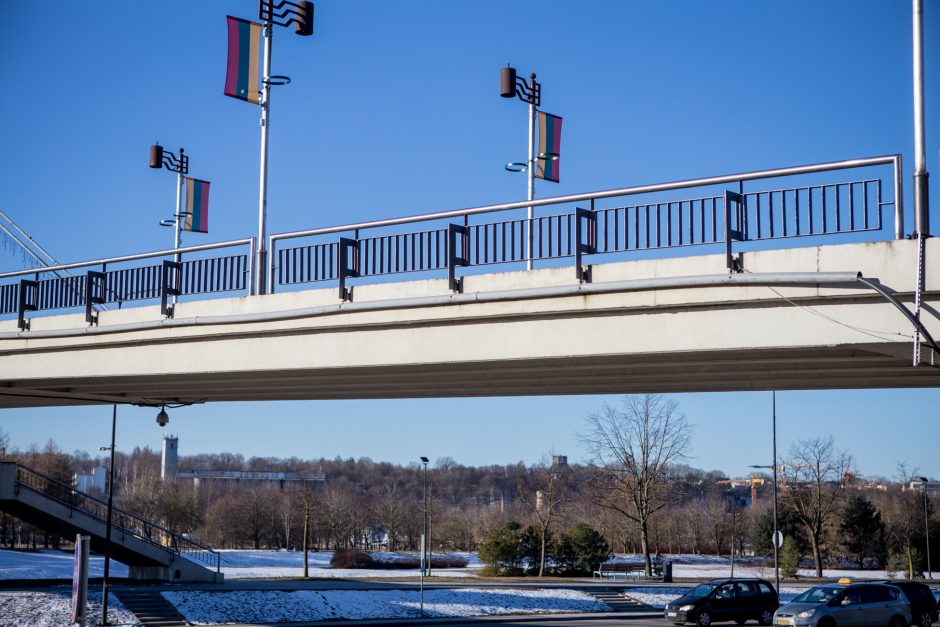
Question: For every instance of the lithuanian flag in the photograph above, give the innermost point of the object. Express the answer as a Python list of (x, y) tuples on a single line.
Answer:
[(197, 206), (549, 145), (244, 48)]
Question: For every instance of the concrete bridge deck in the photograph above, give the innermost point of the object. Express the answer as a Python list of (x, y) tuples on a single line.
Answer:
[(513, 333)]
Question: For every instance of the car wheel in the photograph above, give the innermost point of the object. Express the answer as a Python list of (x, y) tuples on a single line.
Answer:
[(925, 620), (705, 619), (740, 621), (766, 617), (826, 622), (897, 621)]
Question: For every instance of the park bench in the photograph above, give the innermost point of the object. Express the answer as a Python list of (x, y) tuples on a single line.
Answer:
[(619, 568)]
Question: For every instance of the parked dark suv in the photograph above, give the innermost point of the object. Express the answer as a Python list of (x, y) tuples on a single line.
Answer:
[(923, 603), (725, 600)]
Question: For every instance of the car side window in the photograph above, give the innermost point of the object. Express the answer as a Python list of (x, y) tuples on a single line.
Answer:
[(725, 591), (745, 589), (851, 597), (875, 594), (764, 588)]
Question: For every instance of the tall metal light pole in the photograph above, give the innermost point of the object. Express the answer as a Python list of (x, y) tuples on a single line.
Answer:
[(921, 205), (927, 528), (424, 536), (283, 13), (511, 86), (774, 468), (107, 548), (159, 158)]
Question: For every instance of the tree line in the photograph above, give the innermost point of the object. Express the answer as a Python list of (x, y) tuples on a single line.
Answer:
[(635, 491)]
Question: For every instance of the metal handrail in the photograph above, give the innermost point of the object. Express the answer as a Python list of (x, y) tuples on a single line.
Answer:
[(894, 160), (178, 545), (160, 253)]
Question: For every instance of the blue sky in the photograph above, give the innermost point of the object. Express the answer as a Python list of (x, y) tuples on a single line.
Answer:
[(394, 110)]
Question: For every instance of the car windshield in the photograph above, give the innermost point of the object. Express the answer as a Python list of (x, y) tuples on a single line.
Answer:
[(822, 594), (701, 590)]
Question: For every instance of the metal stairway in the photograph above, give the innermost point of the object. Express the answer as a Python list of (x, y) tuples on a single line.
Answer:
[(149, 550)]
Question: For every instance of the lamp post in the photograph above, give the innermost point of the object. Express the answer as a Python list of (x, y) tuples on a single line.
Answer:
[(107, 548), (773, 467), (283, 13), (531, 93), (179, 163), (424, 536), (927, 527)]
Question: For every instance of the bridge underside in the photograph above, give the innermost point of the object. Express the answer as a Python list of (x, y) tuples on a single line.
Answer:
[(838, 367), (724, 338)]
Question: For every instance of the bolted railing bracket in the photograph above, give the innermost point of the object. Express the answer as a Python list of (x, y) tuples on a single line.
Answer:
[(28, 301), (95, 285), (348, 266), (735, 263), (455, 233), (585, 228), (171, 281)]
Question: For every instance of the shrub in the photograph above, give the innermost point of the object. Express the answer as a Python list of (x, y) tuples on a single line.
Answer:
[(352, 558), (590, 549), (502, 550)]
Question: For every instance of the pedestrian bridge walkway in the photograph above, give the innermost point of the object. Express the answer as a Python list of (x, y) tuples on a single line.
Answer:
[(410, 307)]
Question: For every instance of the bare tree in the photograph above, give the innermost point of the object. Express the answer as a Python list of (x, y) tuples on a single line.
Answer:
[(814, 474), (632, 448)]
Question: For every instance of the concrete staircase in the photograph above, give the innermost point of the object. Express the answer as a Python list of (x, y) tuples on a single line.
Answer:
[(618, 602), (150, 608)]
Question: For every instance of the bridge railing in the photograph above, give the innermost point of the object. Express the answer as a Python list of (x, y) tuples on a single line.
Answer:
[(579, 227), (621, 223), (122, 520), (129, 279)]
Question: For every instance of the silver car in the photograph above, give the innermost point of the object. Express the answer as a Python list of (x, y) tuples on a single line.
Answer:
[(856, 605)]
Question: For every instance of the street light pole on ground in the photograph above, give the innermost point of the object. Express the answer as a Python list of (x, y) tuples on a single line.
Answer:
[(107, 549), (927, 528), (773, 467)]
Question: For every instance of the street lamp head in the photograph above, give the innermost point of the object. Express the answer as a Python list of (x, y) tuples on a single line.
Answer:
[(163, 418), (156, 156), (424, 460), (303, 21), (507, 82), (924, 479), (104, 448)]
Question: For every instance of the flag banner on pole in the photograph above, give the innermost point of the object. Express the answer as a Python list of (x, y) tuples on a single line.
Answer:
[(244, 51), (197, 206), (549, 144)]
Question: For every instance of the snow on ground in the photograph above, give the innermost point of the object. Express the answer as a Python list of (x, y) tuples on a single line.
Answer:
[(714, 567), (659, 597), (51, 609), (49, 564), (237, 564), (205, 608)]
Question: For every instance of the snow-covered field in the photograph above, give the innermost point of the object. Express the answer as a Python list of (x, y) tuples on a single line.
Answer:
[(713, 567), (51, 609), (49, 564), (270, 564), (659, 597), (206, 608)]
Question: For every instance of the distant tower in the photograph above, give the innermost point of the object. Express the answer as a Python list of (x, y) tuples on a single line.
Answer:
[(559, 460), (169, 460)]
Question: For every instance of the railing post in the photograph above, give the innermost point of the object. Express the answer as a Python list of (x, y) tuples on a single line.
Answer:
[(171, 279), (95, 283), (734, 265), (348, 265), (585, 224), (27, 288), (453, 259), (898, 197)]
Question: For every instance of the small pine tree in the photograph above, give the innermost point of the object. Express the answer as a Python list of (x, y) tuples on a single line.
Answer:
[(502, 549), (789, 558), (581, 550)]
